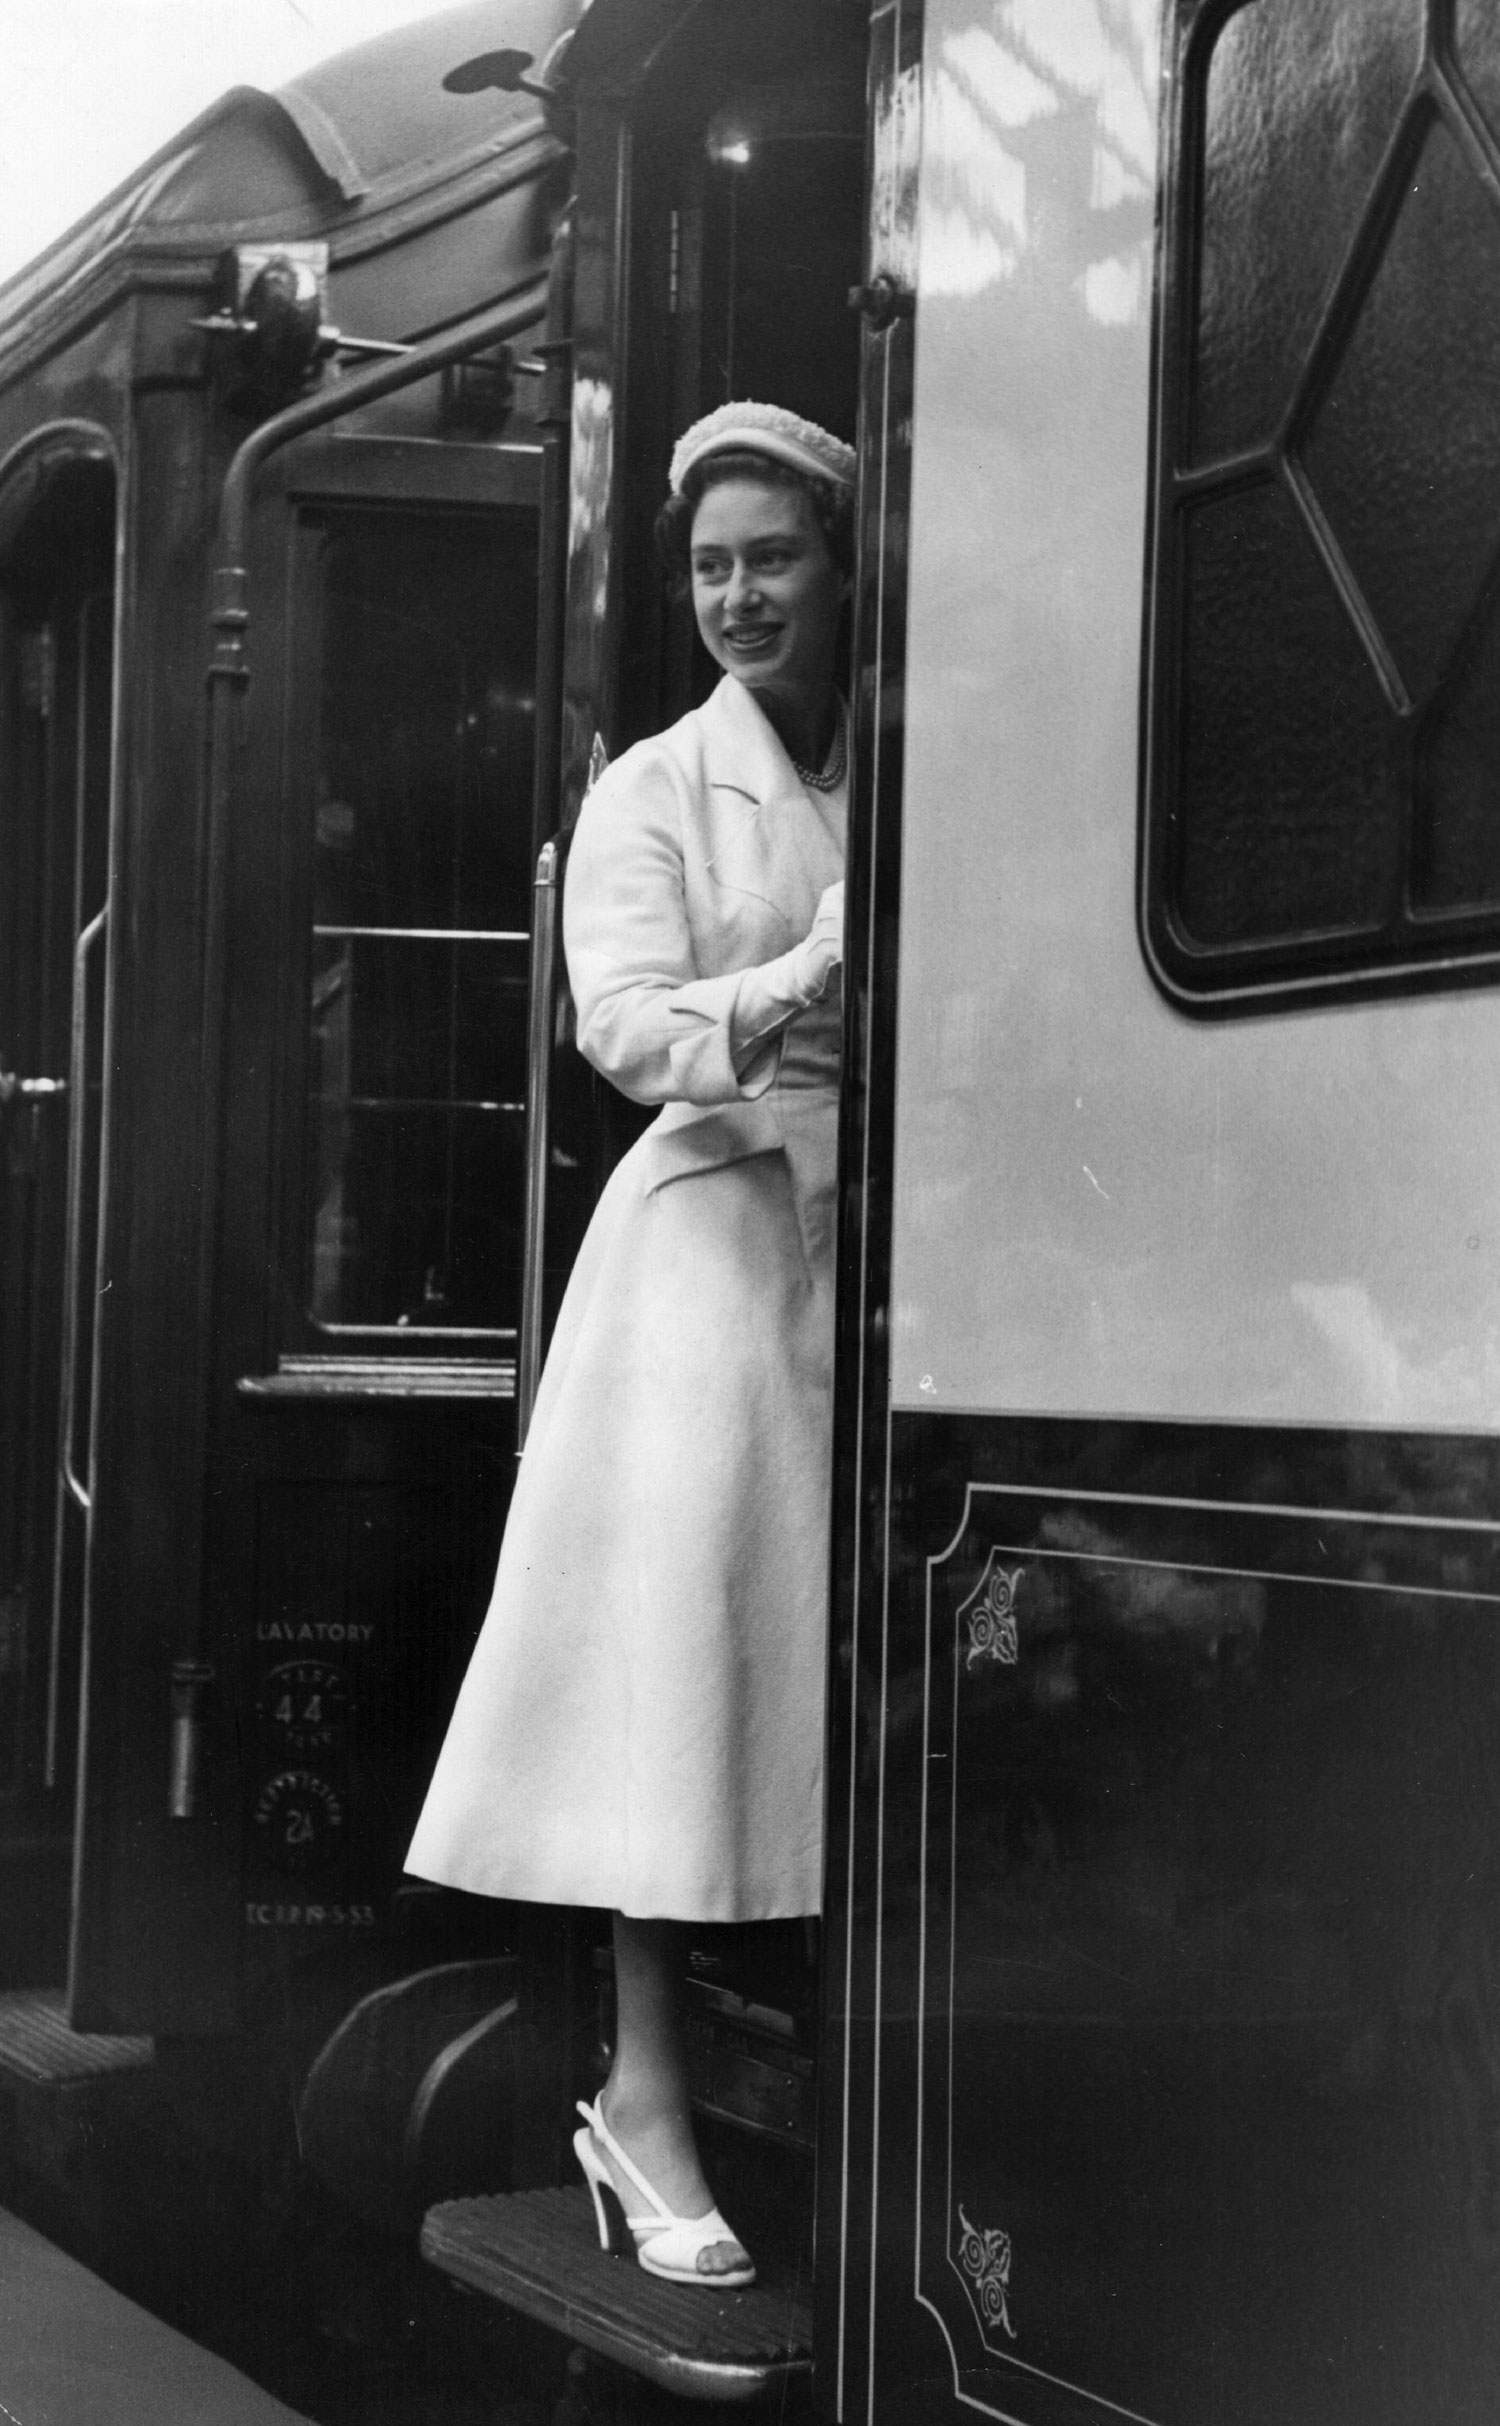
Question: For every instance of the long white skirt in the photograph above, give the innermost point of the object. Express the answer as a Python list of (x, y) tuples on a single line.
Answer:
[(641, 1726)]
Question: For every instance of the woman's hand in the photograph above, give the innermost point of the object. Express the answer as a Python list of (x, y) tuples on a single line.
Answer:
[(821, 950)]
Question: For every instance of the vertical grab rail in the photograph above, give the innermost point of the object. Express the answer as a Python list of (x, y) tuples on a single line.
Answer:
[(68, 1484), (554, 423), (545, 896)]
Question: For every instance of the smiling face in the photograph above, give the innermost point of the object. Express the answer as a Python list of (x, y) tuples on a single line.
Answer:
[(766, 591)]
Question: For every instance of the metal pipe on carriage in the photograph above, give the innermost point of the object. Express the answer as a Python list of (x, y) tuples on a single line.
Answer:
[(228, 676), (555, 422), (545, 900)]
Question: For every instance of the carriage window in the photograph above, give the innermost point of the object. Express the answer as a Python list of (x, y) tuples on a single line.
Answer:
[(422, 867), (1322, 804)]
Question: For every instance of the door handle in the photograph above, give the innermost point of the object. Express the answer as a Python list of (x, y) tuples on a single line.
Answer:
[(29, 1090), (882, 302)]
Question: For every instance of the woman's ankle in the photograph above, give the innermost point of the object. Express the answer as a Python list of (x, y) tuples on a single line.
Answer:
[(635, 2104)]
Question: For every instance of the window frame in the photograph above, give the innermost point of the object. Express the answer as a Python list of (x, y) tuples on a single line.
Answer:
[(350, 474), (1413, 951)]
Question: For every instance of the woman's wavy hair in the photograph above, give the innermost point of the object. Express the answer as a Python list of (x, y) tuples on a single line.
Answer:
[(833, 508)]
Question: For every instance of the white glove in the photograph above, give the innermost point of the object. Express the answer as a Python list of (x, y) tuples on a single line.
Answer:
[(812, 963), (775, 993)]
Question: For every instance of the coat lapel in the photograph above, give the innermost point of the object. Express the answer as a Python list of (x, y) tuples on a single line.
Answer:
[(766, 837)]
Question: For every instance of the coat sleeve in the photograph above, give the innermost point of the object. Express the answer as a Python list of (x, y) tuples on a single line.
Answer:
[(647, 1019)]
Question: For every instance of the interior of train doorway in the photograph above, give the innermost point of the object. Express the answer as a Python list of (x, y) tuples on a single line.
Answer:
[(745, 202), (57, 617), (746, 238), (719, 230)]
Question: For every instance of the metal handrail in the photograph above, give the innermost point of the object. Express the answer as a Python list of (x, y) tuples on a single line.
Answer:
[(77, 1114), (545, 898), (68, 1484)]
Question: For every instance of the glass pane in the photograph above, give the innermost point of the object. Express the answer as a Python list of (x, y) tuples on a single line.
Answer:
[(1291, 783), (415, 1018), (417, 1227), (1405, 452), (1302, 99), (422, 897)]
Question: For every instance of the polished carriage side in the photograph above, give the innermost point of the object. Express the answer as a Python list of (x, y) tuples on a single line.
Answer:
[(1169, 1601)]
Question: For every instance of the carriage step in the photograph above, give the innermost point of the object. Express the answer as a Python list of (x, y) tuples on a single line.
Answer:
[(39, 2051), (537, 2251)]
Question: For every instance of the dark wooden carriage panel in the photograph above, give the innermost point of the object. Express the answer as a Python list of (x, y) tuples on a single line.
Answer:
[(1181, 1881), (421, 210)]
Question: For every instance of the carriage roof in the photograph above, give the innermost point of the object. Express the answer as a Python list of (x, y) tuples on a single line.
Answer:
[(364, 149)]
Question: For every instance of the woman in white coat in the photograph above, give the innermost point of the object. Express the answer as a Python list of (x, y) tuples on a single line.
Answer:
[(641, 1726)]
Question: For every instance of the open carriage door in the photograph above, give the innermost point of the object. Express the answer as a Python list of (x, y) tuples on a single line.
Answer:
[(57, 617), (1161, 2062)]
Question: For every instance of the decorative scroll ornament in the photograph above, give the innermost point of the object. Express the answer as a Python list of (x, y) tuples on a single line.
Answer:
[(985, 2259), (990, 1612)]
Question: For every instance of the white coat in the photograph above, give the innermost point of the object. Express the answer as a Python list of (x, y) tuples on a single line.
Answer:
[(641, 1726)]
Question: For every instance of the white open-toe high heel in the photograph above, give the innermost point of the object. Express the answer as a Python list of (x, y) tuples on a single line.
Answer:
[(664, 2243)]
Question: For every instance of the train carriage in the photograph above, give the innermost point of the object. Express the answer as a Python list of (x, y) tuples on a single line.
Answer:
[(267, 897), (1153, 2040)]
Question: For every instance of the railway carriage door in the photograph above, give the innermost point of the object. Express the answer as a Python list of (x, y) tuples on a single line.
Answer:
[(56, 697), (1164, 1928), (375, 1151)]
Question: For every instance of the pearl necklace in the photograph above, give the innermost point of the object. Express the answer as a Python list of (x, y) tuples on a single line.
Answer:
[(824, 778)]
